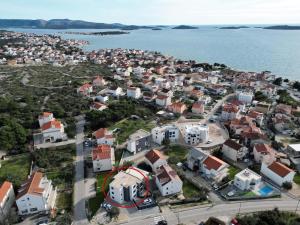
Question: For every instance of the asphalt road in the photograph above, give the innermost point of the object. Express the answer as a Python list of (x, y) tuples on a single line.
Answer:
[(197, 214), (79, 187)]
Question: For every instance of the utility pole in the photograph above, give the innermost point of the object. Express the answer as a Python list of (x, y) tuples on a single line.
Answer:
[(240, 208), (297, 206)]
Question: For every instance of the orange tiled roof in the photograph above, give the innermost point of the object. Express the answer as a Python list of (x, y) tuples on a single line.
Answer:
[(280, 169), (100, 133), (52, 124), (4, 189), (212, 162), (101, 152), (154, 155), (32, 185)]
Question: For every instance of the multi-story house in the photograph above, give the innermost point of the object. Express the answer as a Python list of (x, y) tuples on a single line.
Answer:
[(194, 134), (214, 168), (99, 82), (167, 181), (233, 150), (198, 108), (86, 89), (36, 195), (155, 159), (104, 136), (139, 141), (263, 153), (168, 132), (7, 199), (246, 180), (245, 97), (163, 100), (229, 112), (177, 107), (134, 92), (103, 158), (128, 185), (277, 172)]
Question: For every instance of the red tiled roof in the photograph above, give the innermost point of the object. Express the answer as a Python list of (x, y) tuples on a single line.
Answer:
[(230, 108), (4, 189), (198, 105), (263, 148), (101, 152), (212, 162), (161, 97), (232, 144), (52, 124), (97, 105), (46, 114), (254, 114), (280, 169), (154, 155), (32, 185), (84, 87), (100, 133)]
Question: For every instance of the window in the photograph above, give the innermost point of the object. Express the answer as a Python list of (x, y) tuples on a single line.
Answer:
[(167, 188), (112, 187), (33, 209), (112, 193), (167, 192), (113, 197), (25, 211)]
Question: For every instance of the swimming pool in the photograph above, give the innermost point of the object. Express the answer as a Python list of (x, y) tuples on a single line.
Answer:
[(265, 191)]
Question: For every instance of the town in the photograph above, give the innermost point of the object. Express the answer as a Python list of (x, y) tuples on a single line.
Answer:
[(147, 138)]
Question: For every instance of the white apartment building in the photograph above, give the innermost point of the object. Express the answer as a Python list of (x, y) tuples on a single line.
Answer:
[(139, 141), (246, 179), (103, 158), (36, 195), (167, 181), (195, 134), (169, 132), (245, 97), (134, 92), (7, 199), (127, 185)]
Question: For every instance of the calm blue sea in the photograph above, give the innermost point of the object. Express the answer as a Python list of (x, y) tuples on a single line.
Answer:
[(251, 49)]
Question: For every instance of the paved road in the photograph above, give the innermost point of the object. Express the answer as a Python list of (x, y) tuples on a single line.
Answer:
[(197, 214), (79, 187)]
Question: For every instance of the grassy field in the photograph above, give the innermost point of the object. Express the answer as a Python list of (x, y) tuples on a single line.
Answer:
[(189, 190), (64, 201), (232, 172), (297, 178), (176, 153), (94, 203), (128, 126), (16, 169)]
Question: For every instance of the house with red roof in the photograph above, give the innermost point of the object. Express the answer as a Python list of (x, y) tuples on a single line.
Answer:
[(45, 118), (86, 89), (230, 112), (163, 100), (103, 158), (98, 106), (277, 172), (99, 81), (167, 181), (263, 153), (104, 136), (7, 199), (198, 108), (177, 107), (214, 168), (36, 194), (233, 150), (53, 131), (258, 117), (155, 159)]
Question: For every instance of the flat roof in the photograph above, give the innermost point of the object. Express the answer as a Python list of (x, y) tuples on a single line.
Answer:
[(139, 134), (295, 147), (247, 174)]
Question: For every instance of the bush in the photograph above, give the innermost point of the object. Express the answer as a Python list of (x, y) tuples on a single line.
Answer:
[(287, 185), (114, 212)]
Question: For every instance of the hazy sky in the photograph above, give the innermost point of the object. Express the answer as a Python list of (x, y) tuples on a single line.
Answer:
[(157, 11)]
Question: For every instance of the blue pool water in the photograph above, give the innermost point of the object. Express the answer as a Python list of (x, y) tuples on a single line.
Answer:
[(265, 191)]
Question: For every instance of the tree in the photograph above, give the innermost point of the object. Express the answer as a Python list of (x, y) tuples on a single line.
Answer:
[(287, 185), (166, 142), (296, 85), (114, 212), (278, 81)]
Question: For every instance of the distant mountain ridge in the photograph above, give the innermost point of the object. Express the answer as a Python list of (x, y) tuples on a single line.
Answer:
[(64, 24)]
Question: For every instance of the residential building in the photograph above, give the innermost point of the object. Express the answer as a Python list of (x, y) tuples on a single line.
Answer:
[(245, 97), (198, 108), (194, 134), (134, 92), (104, 136), (233, 150), (116, 91), (283, 109), (229, 112), (195, 159), (214, 168), (103, 158), (294, 150), (258, 117), (7, 199), (163, 100), (177, 107), (263, 153), (99, 82), (262, 107), (86, 89), (277, 172), (139, 141), (168, 132), (102, 98), (167, 181), (45, 118), (36, 195), (246, 180), (53, 131), (127, 185), (98, 106), (155, 159)]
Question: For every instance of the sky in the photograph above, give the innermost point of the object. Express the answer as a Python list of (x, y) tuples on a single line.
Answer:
[(157, 12)]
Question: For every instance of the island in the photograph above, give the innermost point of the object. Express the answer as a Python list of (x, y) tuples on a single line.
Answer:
[(184, 27), (99, 33), (233, 27), (282, 27), (156, 28)]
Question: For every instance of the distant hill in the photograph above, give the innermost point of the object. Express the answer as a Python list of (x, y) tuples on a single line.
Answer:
[(64, 24), (233, 27), (282, 27), (184, 27)]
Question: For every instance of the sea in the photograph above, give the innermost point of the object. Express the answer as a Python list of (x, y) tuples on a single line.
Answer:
[(248, 49)]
